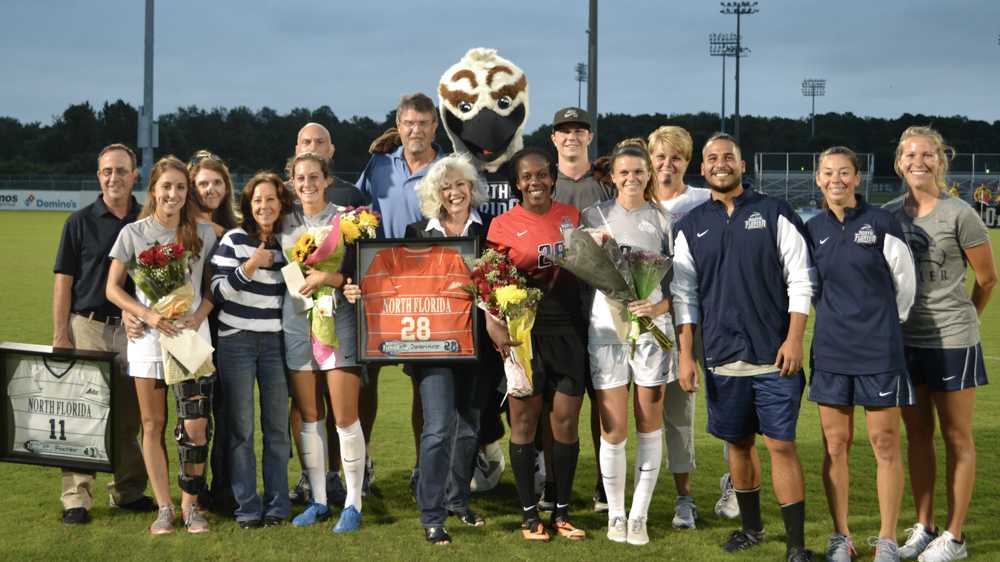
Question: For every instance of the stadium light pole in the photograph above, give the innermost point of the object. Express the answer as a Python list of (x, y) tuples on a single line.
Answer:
[(592, 76), (813, 87), (581, 77), (724, 45), (740, 9), (148, 133)]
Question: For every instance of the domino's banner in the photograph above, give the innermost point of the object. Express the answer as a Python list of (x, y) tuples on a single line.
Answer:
[(990, 215), (15, 200)]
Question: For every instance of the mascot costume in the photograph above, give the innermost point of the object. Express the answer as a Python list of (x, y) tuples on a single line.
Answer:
[(483, 101)]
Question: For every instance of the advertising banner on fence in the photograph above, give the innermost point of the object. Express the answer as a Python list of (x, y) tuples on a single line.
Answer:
[(15, 200)]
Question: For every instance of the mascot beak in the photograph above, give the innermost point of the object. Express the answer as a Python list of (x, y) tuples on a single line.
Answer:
[(488, 134)]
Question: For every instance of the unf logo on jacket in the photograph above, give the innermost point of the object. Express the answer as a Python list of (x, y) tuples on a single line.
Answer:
[(865, 236), (755, 221)]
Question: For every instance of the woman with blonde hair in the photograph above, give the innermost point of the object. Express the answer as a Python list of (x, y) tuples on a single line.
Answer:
[(213, 189), (941, 337), (168, 216)]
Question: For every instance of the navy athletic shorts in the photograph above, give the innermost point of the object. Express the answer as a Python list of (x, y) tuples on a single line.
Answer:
[(767, 404), (946, 370), (880, 390)]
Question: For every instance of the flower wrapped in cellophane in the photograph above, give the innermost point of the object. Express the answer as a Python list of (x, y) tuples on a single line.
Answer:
[(501, 291), (323, 248), (596, 259), (161, 273)]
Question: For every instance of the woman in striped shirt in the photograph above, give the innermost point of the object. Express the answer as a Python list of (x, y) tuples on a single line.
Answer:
[(249, 287)]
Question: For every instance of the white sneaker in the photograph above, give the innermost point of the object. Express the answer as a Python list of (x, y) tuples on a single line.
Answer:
[(637, 531), (685, 513), (727, 506), (944, 549), (617, 529), (917, 539)]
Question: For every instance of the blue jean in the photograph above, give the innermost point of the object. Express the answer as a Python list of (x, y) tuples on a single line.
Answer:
[(448, 442), (245, 358)]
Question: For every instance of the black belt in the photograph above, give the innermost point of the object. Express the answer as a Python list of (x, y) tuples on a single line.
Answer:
[(101, 317)]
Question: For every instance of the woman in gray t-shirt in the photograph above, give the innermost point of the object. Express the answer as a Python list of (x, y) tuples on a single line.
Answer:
[(167, 218), (941, 336)]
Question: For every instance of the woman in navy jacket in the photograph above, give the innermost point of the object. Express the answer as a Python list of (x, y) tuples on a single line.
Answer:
[(866, 287)]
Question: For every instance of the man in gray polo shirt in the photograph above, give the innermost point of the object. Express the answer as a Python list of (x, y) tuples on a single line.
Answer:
[(576, 184)]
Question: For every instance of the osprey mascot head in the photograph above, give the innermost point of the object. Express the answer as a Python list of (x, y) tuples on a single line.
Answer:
[(484, 106)]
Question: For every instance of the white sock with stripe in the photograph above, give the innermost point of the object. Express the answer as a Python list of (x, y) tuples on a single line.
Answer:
[(352, 459), (613, 467), (314, 459), (648, 455)]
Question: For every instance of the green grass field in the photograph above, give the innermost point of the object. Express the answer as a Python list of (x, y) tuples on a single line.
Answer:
[(30, 512)]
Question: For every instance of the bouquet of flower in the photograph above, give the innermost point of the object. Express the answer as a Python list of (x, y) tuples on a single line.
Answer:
[(161, 273), (622, 277), (501, 290), (358, 222), (323, 248)]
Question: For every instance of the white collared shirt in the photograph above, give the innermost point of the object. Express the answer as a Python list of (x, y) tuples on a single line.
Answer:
[(435, 224)]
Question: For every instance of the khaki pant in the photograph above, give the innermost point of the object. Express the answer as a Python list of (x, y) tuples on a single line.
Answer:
[(129, 482)]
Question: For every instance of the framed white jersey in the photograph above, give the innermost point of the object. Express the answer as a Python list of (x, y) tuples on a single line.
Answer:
[(57, 407)]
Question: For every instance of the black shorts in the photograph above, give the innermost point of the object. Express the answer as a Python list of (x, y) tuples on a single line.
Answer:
[(946, 370), (559, 364)]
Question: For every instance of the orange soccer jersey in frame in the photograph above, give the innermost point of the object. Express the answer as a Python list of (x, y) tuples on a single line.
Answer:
[(415, 305)]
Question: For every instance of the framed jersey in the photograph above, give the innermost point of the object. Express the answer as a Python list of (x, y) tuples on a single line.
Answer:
[(56, 406), (413, 306)]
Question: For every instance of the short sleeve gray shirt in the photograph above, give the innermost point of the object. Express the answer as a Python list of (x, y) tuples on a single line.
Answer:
[(943, 315), (581, 193)]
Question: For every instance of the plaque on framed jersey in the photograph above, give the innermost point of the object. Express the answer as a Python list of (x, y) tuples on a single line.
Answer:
[(413, 307), (56, 406)]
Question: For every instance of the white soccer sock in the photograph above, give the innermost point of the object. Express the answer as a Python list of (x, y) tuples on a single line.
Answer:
[(314, 459), (613, 474), (648, 456), (352, 460)]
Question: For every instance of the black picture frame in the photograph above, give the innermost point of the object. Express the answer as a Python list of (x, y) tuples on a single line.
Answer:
[(41, 451), (468, 248)]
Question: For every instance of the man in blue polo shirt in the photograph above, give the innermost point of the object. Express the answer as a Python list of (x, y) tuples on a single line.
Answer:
[(390, 180), (82, 318), (742, 270)]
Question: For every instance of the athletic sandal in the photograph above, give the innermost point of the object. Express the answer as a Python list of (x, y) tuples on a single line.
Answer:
[(534, 530), (437, 535), (470, 518), (566, 529)]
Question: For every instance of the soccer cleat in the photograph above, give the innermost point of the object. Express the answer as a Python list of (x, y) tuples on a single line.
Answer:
[(301, 494), (798, 554), (727, 506), (886, 550), (617, 529), (944, 549), (534, 530), (741, 539), (685, 513), (350, 520), (637, 534), (489, 467), (194, 521), (840, 548), (917, 539), (76, 516), (164, 523), (335, 491), (313, 514), (600, 498), (548, 500), (366, 484)]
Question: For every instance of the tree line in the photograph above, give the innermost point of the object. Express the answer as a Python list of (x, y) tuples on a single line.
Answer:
[(251, 140)]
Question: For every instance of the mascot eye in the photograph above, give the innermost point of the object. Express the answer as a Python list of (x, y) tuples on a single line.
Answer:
[(465, 107), (504, 102)]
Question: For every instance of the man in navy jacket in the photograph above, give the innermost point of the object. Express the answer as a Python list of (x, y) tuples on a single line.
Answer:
[(742, 270)]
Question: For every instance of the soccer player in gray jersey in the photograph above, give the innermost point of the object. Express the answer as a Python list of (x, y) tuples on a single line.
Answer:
[(636, 224), (941, 337)]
